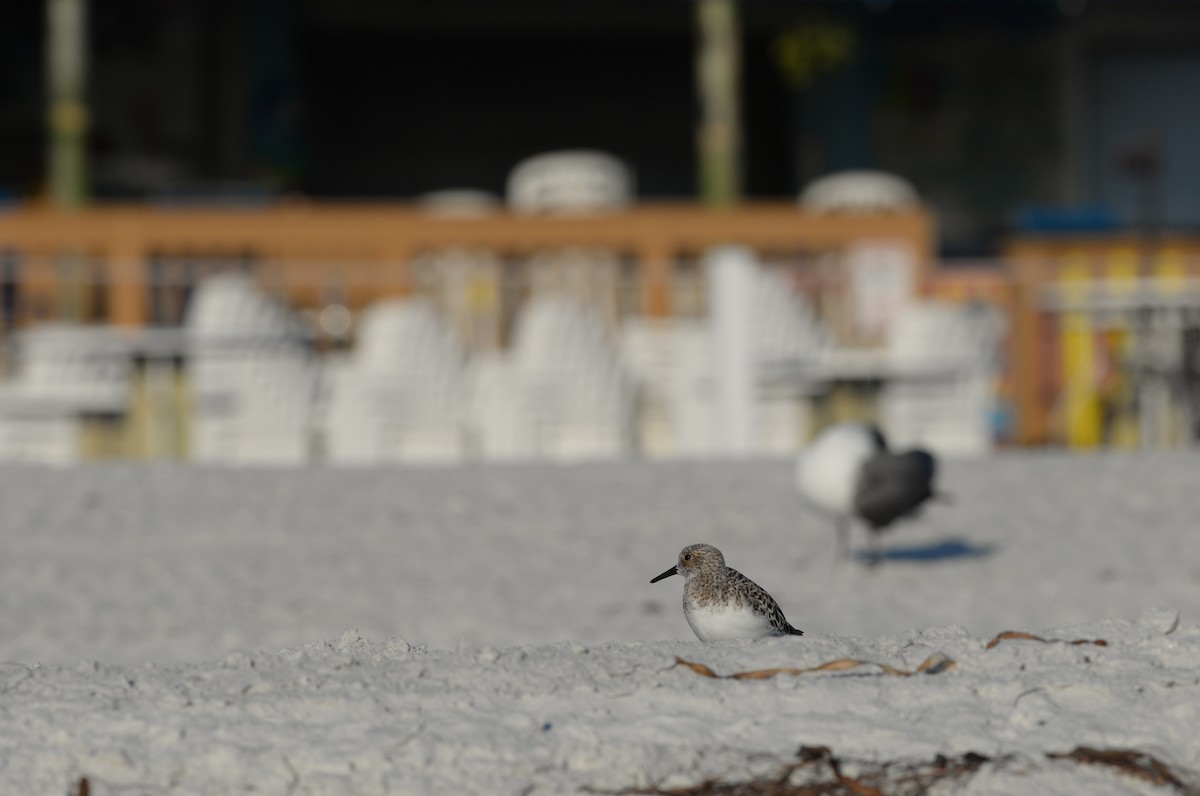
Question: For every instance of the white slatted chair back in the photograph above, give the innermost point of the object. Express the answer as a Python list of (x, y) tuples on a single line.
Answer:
[(253, 377), (949, 410), (86, 369), (571, 384), (402, 394)]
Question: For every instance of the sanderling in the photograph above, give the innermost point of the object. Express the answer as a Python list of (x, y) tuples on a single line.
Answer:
[(721, 603), (848, 471)]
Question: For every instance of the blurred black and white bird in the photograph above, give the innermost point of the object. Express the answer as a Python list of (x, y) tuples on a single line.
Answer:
[(849, 472)]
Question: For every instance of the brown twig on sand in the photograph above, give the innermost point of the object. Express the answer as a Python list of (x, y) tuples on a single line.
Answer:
[(1018, 634), (934, 664), (826, 776), (819, 772), (1132, 762)]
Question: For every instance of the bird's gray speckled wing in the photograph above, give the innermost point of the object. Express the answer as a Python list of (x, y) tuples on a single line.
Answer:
[(745, 589)]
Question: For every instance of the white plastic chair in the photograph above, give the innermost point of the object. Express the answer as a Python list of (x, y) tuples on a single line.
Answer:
[(562, 393), (943, 359), (63, 375), (401, 395), (252, 374)]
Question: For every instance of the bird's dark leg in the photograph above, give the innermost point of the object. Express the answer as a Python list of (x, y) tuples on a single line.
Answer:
[(874, 550), (842, 524)]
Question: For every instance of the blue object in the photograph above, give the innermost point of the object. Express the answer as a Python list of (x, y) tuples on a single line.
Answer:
[(1076, 218)]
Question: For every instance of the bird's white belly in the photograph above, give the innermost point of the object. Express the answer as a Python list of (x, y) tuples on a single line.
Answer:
[(717, 623)]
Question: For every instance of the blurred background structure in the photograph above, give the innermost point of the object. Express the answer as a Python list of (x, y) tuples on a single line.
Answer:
[(355, 231)]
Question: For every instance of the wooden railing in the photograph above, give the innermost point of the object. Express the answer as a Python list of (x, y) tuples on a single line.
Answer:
[(114, 264), (371, 246)]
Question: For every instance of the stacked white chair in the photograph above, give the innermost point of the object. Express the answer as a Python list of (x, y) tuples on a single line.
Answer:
[(671, 362), (459, 203), (63, 375), (563, 393), (859, 191), (572, 381), (943, 359), (498, 427), (252, 374), (650, 351), (573, 182), (401, 396), (570, 181)]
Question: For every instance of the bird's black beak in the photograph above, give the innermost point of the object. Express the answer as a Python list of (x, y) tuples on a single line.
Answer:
[(672, 571)]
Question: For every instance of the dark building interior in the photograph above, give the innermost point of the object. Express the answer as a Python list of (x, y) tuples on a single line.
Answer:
[(988, 108)]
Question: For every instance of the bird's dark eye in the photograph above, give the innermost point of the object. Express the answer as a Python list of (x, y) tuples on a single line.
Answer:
[(688, 557)]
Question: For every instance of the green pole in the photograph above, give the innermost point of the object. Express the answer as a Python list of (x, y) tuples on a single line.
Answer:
[(718, 84), (66, 68)]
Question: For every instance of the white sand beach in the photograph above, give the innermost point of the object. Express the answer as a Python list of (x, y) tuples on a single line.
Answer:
[(493, 630)]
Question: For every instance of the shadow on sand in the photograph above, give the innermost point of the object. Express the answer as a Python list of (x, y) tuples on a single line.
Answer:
[(934, 551)]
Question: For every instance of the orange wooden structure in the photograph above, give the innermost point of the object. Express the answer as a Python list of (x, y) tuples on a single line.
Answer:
[(372, 245), (1052, 274), (109, 253)]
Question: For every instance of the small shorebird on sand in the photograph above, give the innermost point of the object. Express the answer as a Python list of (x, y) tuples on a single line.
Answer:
[(721, 603)]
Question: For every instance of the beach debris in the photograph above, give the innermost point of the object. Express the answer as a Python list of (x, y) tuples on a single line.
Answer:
[(820, 772), (1133, 763), (1018, 634), (935, 664)]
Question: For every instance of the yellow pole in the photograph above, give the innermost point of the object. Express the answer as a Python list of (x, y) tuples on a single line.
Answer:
[(1080, 405), (1122, 273)]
